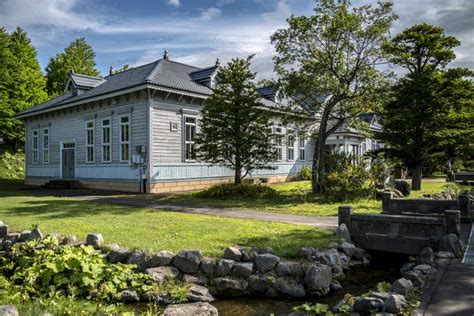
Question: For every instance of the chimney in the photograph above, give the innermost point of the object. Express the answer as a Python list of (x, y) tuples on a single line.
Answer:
[(111, 71), (165, 55)]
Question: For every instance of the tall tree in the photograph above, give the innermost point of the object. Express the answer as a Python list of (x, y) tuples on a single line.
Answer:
[(430, 113), (78, 56), (328, 61), (235, 129), (22, 83)]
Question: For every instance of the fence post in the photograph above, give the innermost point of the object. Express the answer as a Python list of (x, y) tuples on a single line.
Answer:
[(463, 203), (387, 202), (452, 222), (344, 213)]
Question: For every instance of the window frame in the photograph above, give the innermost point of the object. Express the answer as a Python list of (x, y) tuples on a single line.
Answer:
[(278, 132), (127, 142), (290, 134), (191, 142), (104, 144), (35, 149), (90, 145), (45, 149), (301, 149)]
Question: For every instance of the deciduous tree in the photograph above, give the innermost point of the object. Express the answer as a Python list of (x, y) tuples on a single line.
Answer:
[(328, 62)]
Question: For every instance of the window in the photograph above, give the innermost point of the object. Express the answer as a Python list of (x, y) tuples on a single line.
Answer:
[(89, 141), (106, 145), (278, 143), (46, 145), (302, 143), (291, 145), (35, 146), (124, 138), (190, 134)]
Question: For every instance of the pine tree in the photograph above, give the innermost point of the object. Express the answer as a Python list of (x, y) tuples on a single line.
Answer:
[(235, 127), (22, 84), (78, 56), (430, 114)]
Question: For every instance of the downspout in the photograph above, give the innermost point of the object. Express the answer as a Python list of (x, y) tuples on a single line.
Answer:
[(149, 140)]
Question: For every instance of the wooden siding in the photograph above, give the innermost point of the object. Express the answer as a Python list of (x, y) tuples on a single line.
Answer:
[(70, 126)]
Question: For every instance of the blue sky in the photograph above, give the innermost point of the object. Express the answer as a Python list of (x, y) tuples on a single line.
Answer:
[(197, 31)]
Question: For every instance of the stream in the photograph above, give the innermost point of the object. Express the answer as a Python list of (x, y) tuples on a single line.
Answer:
[(384, 267)]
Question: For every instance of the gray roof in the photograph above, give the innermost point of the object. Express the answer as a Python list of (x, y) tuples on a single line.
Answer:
[(162, 73), (84, 81)]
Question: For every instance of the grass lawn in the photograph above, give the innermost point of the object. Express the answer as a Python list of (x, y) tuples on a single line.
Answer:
[(289, 202), (146, 228)]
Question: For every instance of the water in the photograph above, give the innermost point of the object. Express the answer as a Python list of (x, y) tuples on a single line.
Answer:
[(384, 267)]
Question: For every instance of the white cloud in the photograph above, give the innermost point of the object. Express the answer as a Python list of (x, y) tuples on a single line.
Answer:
[(210, 14), (175, 3)]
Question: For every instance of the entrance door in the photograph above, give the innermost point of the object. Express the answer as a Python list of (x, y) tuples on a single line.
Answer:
[(68, 161)]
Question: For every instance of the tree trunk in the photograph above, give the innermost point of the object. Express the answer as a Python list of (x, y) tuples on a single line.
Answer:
[(416, 178), (317, 168), (238, 173)]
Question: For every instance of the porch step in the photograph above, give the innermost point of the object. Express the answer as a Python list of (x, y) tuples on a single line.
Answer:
[(60, 184)]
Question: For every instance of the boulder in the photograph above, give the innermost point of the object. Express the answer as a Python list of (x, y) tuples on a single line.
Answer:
[(451, 243), (291, 288), (95, 240), (343, 232), (407, 267), (335, 286), (330, 258), (3, 233), (192, 309), (356, 264), (224, 267), (208, 266), (198, 293), (196, 279), (229, 286), (403, 186), (161, 274), (317, 278), (396, 303), (128, 297), (187, 260), (8, 310), (24, 235), (138, 258), (13, 237), (416, 277), (35, 234), (243, 269), (347, 248), (261, 251), (262, 284), (427, 256), (425, 269), (118, 255), (232, 253), (366, 305), (7, 244), (402, 286), (289, 269), (162, 258), (444, 255), (69, 240), (266, 262), (307, 252), (382, 295)]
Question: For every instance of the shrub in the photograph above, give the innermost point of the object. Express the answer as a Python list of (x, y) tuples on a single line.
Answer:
[(243, 190), (12, 166), (305, 173)]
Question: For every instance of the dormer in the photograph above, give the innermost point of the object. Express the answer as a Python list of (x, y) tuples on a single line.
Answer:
[(78, 84), (206, 76), (272, 94)]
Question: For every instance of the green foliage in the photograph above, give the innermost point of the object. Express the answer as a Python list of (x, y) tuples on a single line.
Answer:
[(21, 83), (305, 173), (235, 128), (77, 56), (314, 309), (384, 286), (333, 53), (78, 272), (302, 190), (429, 114), (242, 190), (12, 166)]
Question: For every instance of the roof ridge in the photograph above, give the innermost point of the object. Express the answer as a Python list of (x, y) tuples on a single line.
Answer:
[(131, 68), (92, 77), (202, 69), (177, 62), (153, 71)]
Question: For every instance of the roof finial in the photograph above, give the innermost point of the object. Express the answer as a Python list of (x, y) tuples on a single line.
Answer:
[(218, 63), (71, 71), (111, 70), (165, 55)]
